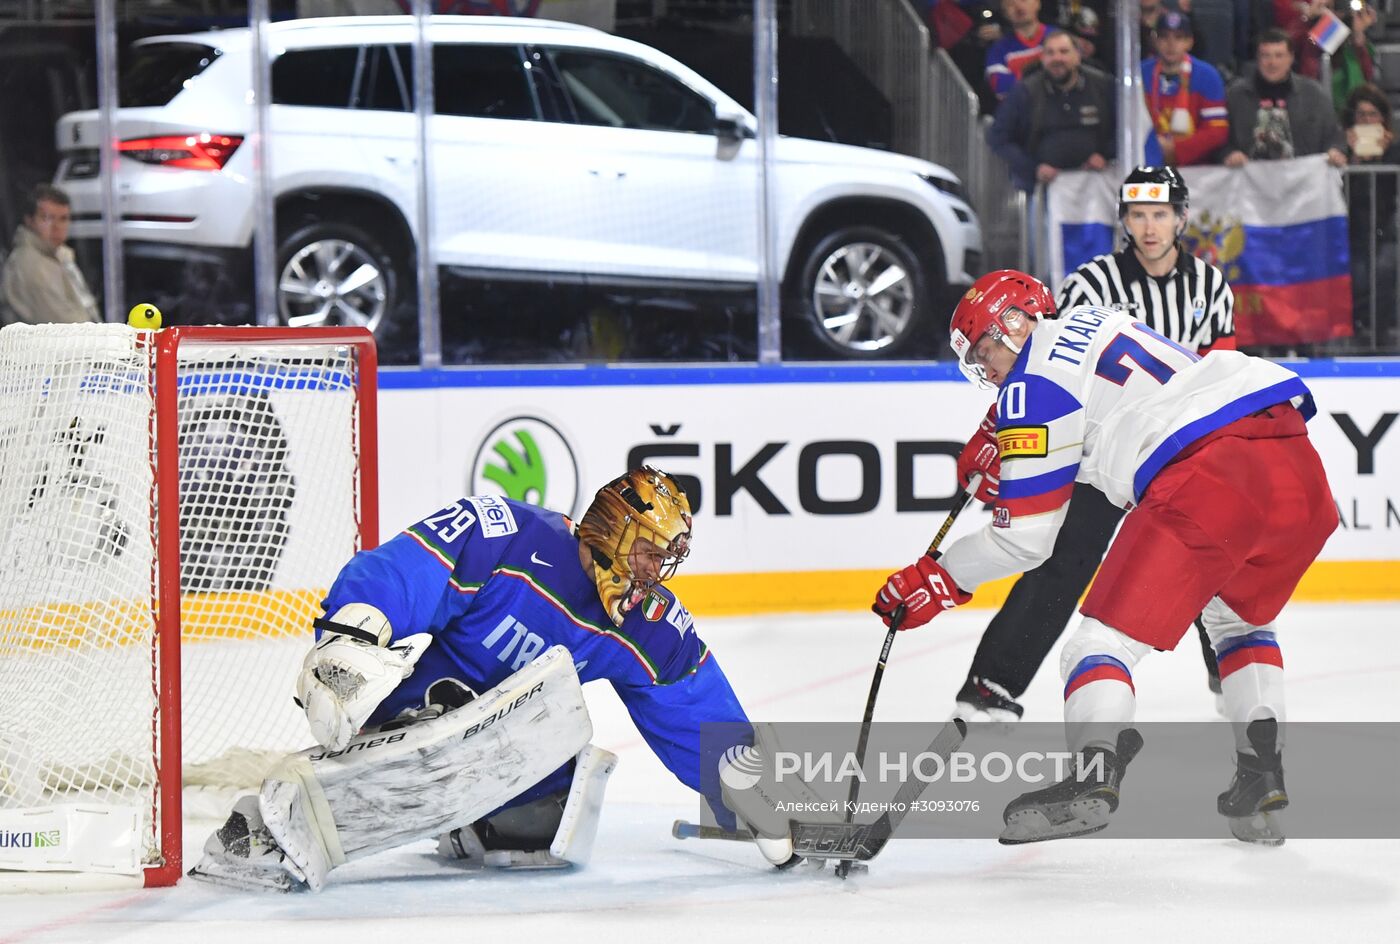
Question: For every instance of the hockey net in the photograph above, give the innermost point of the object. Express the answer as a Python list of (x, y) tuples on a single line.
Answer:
[(173, 507)]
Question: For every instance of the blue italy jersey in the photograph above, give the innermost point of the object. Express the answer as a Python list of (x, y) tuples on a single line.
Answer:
[(497, 582)]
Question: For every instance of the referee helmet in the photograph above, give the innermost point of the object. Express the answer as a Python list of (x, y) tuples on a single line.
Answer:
[(1160, 185), (1154, 185)]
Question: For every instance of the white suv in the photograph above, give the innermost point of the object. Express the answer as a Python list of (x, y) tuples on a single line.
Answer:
[(556, 152)]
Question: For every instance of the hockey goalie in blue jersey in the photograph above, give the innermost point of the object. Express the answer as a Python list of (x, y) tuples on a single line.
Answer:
[(444, 691)]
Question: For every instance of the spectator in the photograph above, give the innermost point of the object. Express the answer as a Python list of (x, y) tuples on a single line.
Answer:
[(1091, 25), (964, 30), (1275, 114), (1150, 13), (1354, 64), (41, 281), (1294, 17), (1185, 99), (1059, 117), (1370, 134), (1217, 25), (1009, 57)]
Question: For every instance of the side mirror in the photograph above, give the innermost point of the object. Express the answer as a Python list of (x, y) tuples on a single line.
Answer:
[(730, 130)]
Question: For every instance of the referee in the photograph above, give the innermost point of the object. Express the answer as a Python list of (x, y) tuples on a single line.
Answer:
[(1180, 297)]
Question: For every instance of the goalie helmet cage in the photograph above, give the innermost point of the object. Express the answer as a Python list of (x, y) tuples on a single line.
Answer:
[(173, 507)]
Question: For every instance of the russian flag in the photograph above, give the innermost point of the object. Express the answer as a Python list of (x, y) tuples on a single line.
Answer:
[(1278, 229), (1329, 32)]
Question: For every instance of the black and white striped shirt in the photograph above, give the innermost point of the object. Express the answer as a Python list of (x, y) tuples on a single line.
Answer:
[(1192, 304)]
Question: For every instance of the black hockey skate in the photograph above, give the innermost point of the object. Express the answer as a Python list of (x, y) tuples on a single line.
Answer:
[(1257, 792), (983, 700), (1078, 805)]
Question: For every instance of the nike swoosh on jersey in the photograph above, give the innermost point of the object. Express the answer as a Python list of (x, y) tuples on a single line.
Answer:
[(542, 563)]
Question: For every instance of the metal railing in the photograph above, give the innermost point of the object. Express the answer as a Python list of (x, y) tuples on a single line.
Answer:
[(1373, 229), (934, 112), (889, 43), (960, 144)]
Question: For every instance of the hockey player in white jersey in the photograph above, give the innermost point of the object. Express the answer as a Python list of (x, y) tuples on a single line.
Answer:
[(1228, 502)]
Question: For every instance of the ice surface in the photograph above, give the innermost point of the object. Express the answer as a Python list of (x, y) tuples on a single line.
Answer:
[(1343, 663)]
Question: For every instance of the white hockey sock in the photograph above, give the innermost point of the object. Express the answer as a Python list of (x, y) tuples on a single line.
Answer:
[(1251, 682), (1097, 710), (1097, 667)]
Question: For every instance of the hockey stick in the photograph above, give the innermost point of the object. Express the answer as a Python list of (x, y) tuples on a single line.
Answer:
[(681, 829), (846, 841), (896, 620)]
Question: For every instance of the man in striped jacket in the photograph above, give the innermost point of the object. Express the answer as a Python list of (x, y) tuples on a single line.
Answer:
[(1179, 296)]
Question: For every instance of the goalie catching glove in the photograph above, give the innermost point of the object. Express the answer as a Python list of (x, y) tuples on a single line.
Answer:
[(351, 669), (982, 456), (923, 588)]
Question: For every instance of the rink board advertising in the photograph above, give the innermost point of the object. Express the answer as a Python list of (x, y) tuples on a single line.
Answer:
[(1339, 776), (810, 484)]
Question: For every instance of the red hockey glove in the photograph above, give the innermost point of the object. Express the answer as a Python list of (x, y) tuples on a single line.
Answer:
[(982, 455), (923, 588)]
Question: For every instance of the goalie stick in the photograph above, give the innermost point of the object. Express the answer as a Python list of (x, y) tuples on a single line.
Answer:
[(843, 867), (850, 842)]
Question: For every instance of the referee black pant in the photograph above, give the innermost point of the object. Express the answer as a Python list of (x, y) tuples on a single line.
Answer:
[(1040, 605)]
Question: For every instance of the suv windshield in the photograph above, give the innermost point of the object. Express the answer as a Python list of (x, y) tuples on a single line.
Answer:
[(155, 73)]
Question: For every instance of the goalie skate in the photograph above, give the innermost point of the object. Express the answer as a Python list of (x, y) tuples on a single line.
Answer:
[(242, 854), (1078, 805), (1257, 792)]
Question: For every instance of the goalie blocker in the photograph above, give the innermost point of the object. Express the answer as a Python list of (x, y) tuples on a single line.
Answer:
[(394, 785)]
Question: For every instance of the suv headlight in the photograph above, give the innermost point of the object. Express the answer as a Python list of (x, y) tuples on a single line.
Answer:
[(951, 187)]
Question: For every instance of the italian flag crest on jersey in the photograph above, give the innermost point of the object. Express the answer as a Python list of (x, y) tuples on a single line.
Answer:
[(654, 607)]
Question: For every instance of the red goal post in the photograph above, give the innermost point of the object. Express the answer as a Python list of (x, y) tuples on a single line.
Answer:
[(173, 507)]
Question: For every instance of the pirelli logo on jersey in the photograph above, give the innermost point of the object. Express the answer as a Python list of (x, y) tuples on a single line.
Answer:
[(1016, 442)]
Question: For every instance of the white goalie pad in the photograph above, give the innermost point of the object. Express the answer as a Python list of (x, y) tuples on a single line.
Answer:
[(573, 842), (388, 788), (577, 812)]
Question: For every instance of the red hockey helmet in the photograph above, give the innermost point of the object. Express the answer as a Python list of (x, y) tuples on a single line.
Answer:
[(984, 310)]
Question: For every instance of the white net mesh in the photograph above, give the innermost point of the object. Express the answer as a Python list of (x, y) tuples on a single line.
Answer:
[(268, 466)]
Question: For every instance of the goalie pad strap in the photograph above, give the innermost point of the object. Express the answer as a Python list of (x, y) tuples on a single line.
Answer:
[(388, 788), (341, 629)]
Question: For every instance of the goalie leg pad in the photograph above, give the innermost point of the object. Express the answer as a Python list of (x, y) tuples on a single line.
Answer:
[(387, 789), (573, 824), (573, 842)]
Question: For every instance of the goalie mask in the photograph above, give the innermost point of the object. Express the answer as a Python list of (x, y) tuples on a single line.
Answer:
[(994, 303), (637, 531)]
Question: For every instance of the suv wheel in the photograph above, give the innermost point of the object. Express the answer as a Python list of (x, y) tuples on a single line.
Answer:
[(334, 274), (863, 292)]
